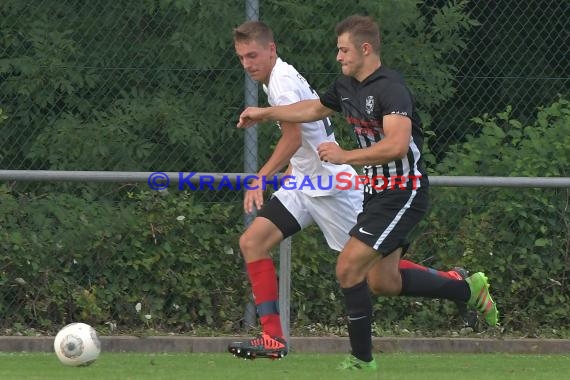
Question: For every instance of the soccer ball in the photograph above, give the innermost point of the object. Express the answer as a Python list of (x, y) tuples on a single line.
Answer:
[(77, 344)]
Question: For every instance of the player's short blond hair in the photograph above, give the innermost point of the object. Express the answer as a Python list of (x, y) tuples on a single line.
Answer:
[(253, 31)]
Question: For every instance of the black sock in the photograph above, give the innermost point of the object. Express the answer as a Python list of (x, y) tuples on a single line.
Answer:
[(421, 283), (359, 310)]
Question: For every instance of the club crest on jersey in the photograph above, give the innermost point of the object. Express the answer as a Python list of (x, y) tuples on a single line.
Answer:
[(369, 104)]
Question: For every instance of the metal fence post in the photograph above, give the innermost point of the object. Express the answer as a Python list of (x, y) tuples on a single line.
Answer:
[(250, 145), (285, 286)]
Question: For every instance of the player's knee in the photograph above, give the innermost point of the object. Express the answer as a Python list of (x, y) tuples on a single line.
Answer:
[(253, 246), (346, 274), (246, 244), (341, 273), (384, 283)]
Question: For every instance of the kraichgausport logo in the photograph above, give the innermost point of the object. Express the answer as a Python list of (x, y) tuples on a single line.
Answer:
[(341, 181)]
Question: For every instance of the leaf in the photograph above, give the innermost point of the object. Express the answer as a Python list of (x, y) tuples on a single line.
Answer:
[(542, 242)]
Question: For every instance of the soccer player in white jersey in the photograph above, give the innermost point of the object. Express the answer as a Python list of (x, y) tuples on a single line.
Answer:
[(293, 207)]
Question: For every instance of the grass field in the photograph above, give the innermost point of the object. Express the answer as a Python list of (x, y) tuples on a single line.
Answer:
[(124, 366)]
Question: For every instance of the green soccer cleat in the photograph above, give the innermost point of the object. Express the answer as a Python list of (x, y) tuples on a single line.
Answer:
[(481, 298), (469, 317), (353, 363)]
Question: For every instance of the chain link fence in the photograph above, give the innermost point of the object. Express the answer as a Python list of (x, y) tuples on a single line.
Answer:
[(155, 85)]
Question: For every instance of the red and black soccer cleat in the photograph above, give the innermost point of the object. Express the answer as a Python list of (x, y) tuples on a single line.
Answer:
[(262, 346)]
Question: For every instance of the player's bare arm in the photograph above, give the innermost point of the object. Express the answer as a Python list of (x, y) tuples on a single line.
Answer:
[(289, 170), (394, 145), (286, 147), (300, 112)]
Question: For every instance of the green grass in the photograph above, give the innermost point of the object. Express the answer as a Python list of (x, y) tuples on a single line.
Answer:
[(298, 366)]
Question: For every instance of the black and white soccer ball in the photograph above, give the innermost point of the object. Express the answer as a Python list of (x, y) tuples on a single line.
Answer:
[(77, 344)]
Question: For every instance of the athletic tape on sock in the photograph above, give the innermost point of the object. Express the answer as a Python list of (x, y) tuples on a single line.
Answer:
[(267, 308)]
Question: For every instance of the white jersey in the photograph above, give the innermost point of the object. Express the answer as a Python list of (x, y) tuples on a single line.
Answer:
[(287, 86)]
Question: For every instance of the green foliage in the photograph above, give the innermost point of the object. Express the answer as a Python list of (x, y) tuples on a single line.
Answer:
[(315, 296), (75, 259), (124, 101), (137, 85), (154, 85), (511, 59), (416, 40), (519, 237), (506, 146), (95, 260)]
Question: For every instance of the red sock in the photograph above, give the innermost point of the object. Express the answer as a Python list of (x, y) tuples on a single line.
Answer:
[(406, 264), (264, 286)]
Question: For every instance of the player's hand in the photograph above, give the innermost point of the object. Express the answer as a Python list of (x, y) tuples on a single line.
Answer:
[(250, 116), (331, 152), (253, 198)]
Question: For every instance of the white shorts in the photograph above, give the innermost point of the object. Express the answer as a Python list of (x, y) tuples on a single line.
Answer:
[(334, 214)]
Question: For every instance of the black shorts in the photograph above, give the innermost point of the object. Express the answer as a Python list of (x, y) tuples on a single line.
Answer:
[(388, 218), (280, 216)]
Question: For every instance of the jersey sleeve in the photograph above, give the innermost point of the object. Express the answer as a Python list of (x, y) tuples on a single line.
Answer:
[(396, 100), (330, 99)]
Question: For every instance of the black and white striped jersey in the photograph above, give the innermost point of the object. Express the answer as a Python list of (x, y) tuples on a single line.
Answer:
[(364, 104)]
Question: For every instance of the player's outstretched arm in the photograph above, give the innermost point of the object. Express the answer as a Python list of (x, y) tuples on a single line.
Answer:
[(251, 116), (300, 112)]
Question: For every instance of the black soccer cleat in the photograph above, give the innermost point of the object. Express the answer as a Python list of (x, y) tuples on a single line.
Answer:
[(262, 346)]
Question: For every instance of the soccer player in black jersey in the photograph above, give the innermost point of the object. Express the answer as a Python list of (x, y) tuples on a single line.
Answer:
[(376, 102)]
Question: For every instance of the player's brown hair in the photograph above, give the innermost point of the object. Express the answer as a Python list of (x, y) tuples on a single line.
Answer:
[(253, 31), (361, 29)]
